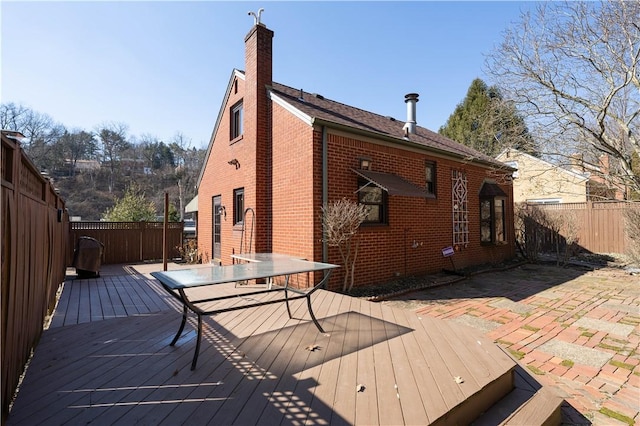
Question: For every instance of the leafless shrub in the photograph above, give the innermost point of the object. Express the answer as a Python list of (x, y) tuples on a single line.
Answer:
[(341, 220), (529, 221), (564, 228), (632, 222), (538, 227), (189, 252)]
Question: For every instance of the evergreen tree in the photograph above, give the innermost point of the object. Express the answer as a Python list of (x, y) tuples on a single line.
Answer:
[(486, 122)]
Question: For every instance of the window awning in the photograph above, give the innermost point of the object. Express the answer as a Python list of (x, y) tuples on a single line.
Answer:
[(393, 184), (192, 206), (491, 190)]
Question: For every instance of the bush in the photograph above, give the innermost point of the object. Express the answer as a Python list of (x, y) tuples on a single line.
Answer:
[(632, 219), (189, 252)]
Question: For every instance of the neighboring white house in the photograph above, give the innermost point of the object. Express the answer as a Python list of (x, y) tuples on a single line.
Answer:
[(538, 181)]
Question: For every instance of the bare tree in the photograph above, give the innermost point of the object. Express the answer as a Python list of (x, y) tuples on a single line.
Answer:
[(113, 142), (41, 132), (341, 221), (573, 70), (188, 164), (77, 145)]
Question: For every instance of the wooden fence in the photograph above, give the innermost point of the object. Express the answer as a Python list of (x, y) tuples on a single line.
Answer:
[(598, 226), (128, 242), (34, 243)]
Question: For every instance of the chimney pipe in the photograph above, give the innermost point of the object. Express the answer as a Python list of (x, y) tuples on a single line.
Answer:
[(410, 99)]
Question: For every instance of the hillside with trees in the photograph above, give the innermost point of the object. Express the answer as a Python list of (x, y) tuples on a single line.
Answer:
[(94, 169)]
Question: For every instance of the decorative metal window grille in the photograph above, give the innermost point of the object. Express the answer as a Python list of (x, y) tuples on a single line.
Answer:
[(460, 208)]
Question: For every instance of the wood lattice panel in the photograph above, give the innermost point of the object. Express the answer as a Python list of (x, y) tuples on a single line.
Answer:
[(460, 209)]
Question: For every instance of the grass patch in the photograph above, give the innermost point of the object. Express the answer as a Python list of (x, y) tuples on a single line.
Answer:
[(504, 342), (567, 363), (587, 334), (535, 370), (610, 347), (618, 416), (617, 340), (530, 328), (517, 354), (621, 364)]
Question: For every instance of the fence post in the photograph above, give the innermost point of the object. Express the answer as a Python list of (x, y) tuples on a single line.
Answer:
[(165, 238)]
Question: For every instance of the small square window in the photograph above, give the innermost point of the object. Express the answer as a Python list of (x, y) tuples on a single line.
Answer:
[(430, 175), (236, 121), (238, 206)]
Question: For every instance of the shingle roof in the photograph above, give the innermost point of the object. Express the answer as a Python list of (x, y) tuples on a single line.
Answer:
[(319, 108)]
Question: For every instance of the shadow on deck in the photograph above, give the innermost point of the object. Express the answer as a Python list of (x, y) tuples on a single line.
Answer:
[(106, 359)]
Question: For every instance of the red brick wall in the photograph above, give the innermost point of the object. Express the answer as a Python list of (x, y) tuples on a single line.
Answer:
[(386, 251), (294, 196), (280, 170), (257, 130), (252, 151), (221, 178)]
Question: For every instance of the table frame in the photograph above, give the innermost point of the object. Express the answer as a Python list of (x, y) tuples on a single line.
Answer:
[(176, 283)]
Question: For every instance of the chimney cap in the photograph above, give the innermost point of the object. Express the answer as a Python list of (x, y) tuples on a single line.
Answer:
[(411, 97)]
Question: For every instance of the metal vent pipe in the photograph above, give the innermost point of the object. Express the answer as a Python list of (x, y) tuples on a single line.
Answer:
[(411, 100)]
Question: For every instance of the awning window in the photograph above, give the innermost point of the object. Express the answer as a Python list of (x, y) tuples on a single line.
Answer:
[(393, 184)]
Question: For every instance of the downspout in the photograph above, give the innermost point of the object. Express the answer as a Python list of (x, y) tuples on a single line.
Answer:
[(325, 186)]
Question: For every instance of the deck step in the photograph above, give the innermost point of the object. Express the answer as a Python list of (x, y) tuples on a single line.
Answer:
[(497, 378), (543, 409), (524, 406)]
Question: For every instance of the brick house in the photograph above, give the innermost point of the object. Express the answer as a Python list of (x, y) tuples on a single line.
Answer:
[(284, 153)]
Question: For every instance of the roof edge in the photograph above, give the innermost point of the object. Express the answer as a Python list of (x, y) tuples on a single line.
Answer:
[(235, 73)]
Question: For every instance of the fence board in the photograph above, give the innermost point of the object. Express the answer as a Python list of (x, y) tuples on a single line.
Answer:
[(128, 242), (600, 225), (34, 237)]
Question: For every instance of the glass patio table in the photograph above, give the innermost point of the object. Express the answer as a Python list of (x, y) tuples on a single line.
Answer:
[(178, 282)]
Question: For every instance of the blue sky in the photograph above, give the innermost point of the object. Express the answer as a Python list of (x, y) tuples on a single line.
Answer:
[(162, 67)]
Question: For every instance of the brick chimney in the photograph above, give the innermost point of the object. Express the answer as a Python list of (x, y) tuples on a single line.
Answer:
[(257, 129)]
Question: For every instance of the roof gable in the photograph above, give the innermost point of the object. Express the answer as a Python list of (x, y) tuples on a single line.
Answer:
[(512, 154), (236, 73)]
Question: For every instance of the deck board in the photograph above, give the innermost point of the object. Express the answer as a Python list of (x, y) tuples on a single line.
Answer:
[(325, 392), (366, 405), (106, 360), (432, 402), (289, 402), (389, 409)]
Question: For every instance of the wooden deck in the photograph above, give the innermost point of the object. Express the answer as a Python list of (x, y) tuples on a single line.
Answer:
[(107, 360)]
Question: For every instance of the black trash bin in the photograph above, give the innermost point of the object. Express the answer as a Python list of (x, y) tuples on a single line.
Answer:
[(87, 257)]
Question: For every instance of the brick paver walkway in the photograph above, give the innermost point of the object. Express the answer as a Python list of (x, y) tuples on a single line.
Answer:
[(576, 331)]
